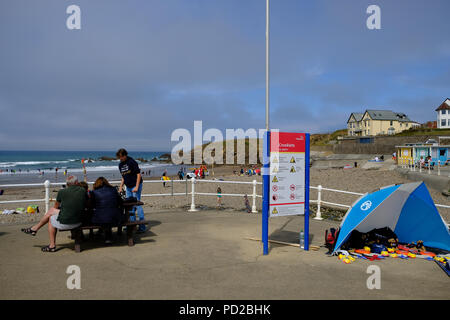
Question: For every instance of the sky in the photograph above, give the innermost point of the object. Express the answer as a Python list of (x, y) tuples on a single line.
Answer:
[(139, 69)]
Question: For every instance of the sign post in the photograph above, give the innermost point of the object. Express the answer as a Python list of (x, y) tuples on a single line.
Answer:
[(307, 141), (266, 193), (287, 162), (266, 151), (292, 186)]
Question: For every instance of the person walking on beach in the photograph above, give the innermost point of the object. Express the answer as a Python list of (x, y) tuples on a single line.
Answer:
[(247, 204), (180, 174), (219, 196), (163, 178), (132, 179)]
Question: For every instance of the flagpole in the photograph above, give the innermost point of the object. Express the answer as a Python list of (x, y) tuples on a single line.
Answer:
[(266, 149), (267, 65)]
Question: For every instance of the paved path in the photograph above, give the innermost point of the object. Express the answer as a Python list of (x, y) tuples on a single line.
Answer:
[(203, 255)]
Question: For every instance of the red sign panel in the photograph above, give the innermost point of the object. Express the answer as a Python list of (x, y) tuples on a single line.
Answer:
[(287, 142)]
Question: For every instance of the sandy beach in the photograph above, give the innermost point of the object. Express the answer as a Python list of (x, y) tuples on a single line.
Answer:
[(356, 180)]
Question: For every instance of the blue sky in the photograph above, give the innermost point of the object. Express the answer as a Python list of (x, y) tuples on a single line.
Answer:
[(137, 70)]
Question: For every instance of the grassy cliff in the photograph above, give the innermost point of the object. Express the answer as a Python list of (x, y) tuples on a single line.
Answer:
[(322, 139), (424, 132)]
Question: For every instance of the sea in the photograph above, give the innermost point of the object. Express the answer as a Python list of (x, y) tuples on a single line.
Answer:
[(38, 166)]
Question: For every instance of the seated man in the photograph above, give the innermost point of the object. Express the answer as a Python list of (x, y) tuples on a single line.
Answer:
[(106, 203), (72, 203), (52, 211)]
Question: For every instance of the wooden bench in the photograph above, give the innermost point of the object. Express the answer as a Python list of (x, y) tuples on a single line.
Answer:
[(77, 233)]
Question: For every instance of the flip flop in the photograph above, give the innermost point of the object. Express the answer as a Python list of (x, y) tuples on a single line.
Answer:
[(29, 231), (48, 249)]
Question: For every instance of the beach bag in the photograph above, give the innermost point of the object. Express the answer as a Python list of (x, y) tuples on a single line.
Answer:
[(377, 248), (330, 239), (331, 236)]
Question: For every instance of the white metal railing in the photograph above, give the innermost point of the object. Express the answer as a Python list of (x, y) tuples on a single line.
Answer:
[(47, 184), (413, 165), (319, 201)]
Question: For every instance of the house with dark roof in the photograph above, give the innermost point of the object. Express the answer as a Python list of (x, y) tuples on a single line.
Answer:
[(354, 124), (378, 122), (443, 115)]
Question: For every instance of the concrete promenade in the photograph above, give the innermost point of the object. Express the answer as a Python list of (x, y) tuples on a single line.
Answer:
[(204, 255)]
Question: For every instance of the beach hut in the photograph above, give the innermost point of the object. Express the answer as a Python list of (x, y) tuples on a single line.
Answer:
[(407, 209), (405, 155), (412, 153), (422, 151), (440, 153)]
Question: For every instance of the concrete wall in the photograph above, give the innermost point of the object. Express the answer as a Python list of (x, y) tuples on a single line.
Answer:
[(381, 145), (322, 148)]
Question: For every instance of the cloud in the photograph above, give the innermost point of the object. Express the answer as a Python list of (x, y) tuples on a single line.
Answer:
[(140, 69)]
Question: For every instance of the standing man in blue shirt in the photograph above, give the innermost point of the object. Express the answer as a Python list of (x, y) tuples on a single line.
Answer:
[(132, 179)]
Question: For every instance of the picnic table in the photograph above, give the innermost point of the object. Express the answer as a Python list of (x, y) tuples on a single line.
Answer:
[(77, 233)]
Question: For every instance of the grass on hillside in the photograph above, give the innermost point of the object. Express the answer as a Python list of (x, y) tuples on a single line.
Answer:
[(424, 132), (213, 153), (322, 139)]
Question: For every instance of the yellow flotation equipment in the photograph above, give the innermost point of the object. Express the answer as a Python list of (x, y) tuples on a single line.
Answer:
[(31, 209), (346, 259)]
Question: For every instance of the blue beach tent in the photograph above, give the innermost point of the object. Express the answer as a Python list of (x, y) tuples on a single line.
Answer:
[(407, 209)]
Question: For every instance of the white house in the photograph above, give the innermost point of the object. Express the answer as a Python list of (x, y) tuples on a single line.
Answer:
[(443, 114)]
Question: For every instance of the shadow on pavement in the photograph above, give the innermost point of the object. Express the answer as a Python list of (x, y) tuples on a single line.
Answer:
[(286, 236), (98, 241)]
